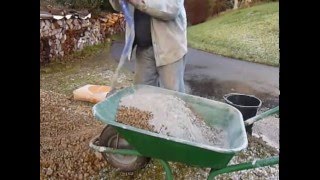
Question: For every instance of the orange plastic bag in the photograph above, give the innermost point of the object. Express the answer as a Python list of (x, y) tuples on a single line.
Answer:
[(91, 93)]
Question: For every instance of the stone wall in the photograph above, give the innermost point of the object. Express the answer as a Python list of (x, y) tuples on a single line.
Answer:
[(60, 36)]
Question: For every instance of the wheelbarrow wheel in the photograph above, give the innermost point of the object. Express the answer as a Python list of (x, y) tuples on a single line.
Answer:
[(109, 137)]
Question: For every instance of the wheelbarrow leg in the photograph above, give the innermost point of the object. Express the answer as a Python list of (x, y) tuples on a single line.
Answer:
[(238, 167), (167, 169)]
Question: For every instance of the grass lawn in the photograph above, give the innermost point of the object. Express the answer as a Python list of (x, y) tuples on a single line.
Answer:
[(250, 34)]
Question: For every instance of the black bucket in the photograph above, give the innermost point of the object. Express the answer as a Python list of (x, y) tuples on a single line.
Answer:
[(248, 105)]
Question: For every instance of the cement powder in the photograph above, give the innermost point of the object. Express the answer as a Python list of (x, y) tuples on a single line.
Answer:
[(172, 117)]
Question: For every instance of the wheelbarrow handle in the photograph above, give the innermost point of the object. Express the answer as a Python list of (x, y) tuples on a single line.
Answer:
[(261, 116), (244, 166), (103, 149)]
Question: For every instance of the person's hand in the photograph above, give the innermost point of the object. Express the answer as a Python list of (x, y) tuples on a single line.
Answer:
[(135, 3)]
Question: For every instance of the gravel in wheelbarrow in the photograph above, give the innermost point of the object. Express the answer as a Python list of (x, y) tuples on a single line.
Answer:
[(168, 115), (184, 128)]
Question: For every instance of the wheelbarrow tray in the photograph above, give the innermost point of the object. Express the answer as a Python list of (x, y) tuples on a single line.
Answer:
[(168, 148)]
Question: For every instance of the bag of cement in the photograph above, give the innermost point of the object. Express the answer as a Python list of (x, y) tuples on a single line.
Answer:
[(91, 93)]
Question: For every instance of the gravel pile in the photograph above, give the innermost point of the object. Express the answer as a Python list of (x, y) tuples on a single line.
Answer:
[(257, 149), (66, 129), (134, 117), (171, 116)]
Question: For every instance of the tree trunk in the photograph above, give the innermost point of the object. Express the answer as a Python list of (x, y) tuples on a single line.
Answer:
[(235, 5)]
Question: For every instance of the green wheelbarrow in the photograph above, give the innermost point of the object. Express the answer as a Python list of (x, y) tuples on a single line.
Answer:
[(128, 148)]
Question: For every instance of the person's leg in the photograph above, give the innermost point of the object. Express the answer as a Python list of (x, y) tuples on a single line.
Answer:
[(145, 67), (171, 76)]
